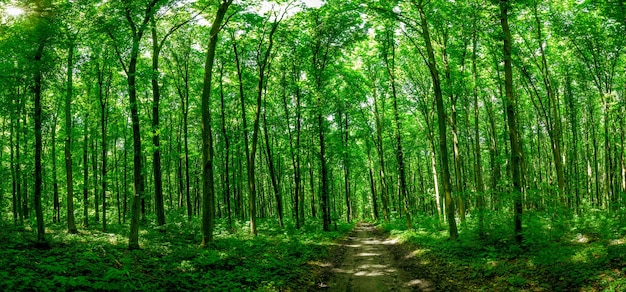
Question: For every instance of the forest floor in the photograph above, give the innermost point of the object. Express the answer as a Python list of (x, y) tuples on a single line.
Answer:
[(369, 261), (568, 255), (385, 258), (170, 259)]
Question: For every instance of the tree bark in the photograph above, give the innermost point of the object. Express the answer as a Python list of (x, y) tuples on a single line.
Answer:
[(227, 189), (38, 76), (516, 145), (156, 155), (208, 189), (390, 66), (441, 117), (56, 208)]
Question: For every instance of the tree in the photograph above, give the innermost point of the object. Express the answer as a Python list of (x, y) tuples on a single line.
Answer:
[(441, 119), (511, 113), (157, 46), (332, 31), (208, 190), (389, 56), (71, 225), (137, 30)]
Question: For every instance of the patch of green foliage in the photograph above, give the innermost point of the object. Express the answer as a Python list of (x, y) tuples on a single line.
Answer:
[(562, 252), (170, 260)]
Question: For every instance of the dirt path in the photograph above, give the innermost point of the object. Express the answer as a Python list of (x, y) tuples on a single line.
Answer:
[(369, 264)]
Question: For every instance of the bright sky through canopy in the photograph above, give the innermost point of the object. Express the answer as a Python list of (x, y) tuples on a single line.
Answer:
[(13, 11), (270, 5), (313, 3)]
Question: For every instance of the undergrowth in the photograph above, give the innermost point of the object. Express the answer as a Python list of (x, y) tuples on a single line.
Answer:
[(170, 259), (564, 252)]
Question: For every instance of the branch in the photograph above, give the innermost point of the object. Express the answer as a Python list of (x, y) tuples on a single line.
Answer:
[(117, 52)]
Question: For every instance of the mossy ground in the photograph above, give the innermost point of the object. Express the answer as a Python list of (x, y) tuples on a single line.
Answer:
[(567, 254), (170, 259)]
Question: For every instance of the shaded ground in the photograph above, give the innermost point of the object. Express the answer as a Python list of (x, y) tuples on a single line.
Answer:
[(370, 259), (91, 260), (367, 260)]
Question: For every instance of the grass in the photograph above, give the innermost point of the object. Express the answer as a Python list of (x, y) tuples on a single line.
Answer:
[(562, 252), (568, 253), (170, 259)]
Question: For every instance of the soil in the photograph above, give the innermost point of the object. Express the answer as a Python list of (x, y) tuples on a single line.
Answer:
[(367, 260)]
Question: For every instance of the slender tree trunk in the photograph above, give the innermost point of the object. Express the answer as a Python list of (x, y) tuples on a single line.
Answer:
[(71, 225), (344, 132), (125, 208), (273, 178), (249, 157), (516, 146), (133, 241), (381, 156), (94, 170), (372, 187), (41, 239), (156, 155), (458, 175), (14, 164), (324, 196), (311, 184), (227, 189), (295, 153), (85, 171), (56, 208), (103, 99), (402, 185), (18, 159), (478, 169), (117, 182), (208, 190), (573, 160), (443, 147), (24, 178)]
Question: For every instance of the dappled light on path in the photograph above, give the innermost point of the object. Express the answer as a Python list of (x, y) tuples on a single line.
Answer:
[(369, 265)]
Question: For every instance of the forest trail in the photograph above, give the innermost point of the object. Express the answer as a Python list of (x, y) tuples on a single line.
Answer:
[(369, 264)]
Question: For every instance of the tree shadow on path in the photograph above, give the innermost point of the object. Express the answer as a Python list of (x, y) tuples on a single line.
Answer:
[(368, 260)]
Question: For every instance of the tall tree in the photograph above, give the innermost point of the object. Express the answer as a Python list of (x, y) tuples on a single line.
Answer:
[(441, 119), (511, 114), (137, 30), (71, 225), (389, 56), (208, 189), (157, 46), (42, 35)]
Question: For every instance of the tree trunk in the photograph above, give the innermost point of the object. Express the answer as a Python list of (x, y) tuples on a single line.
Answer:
[(14, 164), (41, 239), (85, 172), (295, 153), (94, 170), (441, 116), (344, 132), (516, 146), (402, 185), (381, 154), (133, 240), (103, 94), (227, 190), (478, 169), (156, 155), (56, 210), (208, 190), (273, 178), (71, 225)]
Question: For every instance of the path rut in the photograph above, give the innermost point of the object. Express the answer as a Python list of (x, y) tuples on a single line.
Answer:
[(369, 265)]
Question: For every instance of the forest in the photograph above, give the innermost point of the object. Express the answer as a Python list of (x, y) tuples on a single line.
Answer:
[(294, 145)]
